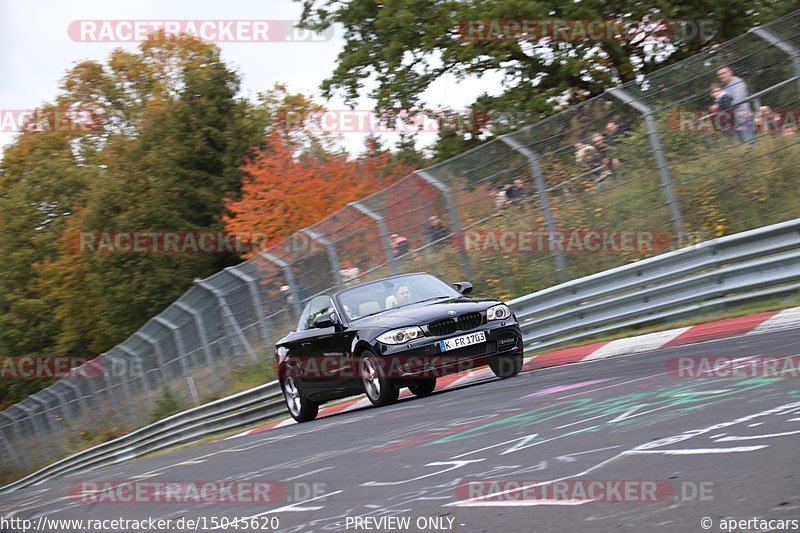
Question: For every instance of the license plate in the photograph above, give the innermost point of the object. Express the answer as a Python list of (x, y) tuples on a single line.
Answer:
[(463, 340)]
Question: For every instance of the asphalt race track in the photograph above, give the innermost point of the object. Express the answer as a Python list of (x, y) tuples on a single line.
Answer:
[(715, 448)]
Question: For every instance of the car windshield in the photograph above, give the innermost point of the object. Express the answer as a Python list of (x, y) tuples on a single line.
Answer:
[(379, 296)]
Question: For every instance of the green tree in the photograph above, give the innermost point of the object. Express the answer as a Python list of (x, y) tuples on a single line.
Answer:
[(401, 47)]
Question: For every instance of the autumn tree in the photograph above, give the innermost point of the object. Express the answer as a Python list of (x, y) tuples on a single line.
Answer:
[(288, 189)]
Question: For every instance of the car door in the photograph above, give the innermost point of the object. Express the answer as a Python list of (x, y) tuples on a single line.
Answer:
[(300, 359), (329, 351)]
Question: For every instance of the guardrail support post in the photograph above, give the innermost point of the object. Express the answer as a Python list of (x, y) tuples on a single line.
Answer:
[(455, 223), (664, 175), (201, 332), (387, 245), (289, 276), (784, 46), (544, 202), (330, 249), (252, 286), (227, 314)]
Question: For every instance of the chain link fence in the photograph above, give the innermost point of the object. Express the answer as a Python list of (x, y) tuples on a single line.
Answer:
[(641, 158)]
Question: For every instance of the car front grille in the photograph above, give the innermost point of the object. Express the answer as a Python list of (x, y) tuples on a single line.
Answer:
[(442, 327), (469, 321), (450, 325)]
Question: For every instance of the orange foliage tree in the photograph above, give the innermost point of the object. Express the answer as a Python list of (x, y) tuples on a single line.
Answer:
[(287, 191)]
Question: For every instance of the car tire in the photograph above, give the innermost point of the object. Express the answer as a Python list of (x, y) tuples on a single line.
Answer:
[(378, 388), (301, 408), (423, 387), (506, 366)]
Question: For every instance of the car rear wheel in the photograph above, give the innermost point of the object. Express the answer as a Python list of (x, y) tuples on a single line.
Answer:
[(301, 409), (380, 390), (506, 366), (423, 387)]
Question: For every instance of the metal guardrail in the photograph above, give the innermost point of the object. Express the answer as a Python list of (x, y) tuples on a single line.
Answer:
[(237, 410), (735, 268), (728, 269)]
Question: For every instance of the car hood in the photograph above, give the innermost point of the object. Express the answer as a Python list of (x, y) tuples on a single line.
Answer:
[(425, 312)]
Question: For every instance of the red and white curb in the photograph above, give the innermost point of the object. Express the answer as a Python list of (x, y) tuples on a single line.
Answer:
[(721, 329)]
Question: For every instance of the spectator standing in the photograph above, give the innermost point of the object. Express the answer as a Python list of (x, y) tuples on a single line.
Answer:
[(435, 230), (742, 115), (400, 245)]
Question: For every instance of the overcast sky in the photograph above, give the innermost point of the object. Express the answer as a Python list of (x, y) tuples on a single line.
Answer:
[(37, 51)]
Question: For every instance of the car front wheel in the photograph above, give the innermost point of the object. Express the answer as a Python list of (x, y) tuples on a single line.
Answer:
[(379, 389), (506, 366), (423, 387), (301, 409)]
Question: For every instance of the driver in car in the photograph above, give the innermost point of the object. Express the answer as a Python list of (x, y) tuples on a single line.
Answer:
[(402, 295)]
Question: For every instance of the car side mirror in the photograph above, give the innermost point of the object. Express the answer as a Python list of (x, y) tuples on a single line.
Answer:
[(464, 287), (325, 321)]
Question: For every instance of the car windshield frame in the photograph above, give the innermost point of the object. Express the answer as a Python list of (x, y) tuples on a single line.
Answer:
[(448, 291)]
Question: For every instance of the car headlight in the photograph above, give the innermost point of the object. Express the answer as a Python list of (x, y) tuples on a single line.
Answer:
[(399, 336), (498, 312)]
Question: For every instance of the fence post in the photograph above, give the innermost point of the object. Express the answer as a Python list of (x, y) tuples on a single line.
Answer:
[(134, 355), (252, 286), (10, 452), (330, 249), (661, 161), (159, 356), (173, 329), (38, 433), (783, 45), (15, 427), (544, 202), (387, 245), (455, 223), (59, 399), (227, 314), (201, 332), (78, 397), (289, 275)]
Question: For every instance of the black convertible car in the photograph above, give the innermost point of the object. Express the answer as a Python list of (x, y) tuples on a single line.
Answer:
[(401, 331)]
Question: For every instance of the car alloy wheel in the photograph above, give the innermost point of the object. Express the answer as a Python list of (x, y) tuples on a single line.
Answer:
[(300, 408), (380, 390)]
